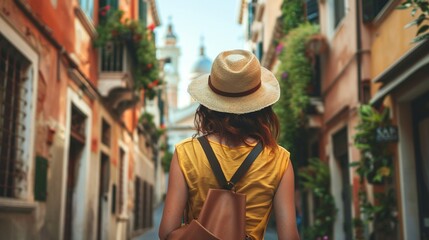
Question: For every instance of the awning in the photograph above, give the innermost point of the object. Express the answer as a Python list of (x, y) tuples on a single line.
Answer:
[(401, 71)]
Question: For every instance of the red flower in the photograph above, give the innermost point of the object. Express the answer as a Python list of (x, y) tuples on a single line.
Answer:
[(149, 65), (151, 27), (105, 8), (153, 84), (103, 11)]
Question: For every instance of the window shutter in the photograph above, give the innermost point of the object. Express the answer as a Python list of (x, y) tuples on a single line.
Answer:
[(41, 179), (143, 11), (312, 8)]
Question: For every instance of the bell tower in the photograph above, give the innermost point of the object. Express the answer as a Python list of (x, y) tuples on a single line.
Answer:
[(169, 54)]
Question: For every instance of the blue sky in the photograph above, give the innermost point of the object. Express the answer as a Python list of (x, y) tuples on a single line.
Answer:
[(215, 20)]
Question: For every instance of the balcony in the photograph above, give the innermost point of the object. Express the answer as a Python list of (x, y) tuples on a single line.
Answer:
[(116, 82), (115, 68)]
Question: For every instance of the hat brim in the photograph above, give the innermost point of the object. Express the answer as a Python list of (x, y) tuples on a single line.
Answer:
[(266, 95)]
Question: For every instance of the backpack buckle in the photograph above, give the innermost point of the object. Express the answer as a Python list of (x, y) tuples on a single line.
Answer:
[(230, 186)]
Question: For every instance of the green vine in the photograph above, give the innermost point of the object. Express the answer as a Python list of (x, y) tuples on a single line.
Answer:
[(375, 167), (292, 14), (295, 72), (140, 42), (422, 29), (375, 164), (147, 120), (316, 178)]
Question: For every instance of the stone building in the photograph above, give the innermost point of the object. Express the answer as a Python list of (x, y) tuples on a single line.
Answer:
[(76, 161)]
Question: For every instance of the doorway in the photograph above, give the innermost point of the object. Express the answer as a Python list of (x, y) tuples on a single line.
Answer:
[(341, 155), (420, 109), (103, 197), (77, 145)]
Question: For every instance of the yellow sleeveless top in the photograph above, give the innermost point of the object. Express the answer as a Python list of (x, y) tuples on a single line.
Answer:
[(259, 183)]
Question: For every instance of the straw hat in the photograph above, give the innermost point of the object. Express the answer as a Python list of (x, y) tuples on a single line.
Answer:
[(236, 84)]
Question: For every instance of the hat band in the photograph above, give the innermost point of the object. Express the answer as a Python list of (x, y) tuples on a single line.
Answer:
[(228, 94)]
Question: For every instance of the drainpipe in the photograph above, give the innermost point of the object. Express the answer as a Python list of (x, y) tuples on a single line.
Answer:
[(359, 50)]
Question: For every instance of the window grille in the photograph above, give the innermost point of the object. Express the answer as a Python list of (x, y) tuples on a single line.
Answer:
[(112, 57), (13, 68)]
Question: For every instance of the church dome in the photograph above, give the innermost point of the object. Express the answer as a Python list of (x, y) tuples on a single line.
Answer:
[(202, 65)]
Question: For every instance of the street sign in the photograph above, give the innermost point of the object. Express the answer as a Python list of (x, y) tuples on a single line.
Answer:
[(387, 134)]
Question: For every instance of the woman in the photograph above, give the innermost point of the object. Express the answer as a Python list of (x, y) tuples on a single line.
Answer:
[(234, 114)]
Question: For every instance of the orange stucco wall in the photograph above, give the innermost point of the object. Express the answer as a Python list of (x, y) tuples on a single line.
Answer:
[(391, 40)]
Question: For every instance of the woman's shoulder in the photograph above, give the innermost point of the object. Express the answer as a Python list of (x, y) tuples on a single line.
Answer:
[(281, 151), (190, 141)]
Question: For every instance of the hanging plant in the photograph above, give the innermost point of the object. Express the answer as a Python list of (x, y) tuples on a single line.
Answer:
[(295, 72), (147, 120), (140, 42), (292, 14), (376, 161), (376, 167)]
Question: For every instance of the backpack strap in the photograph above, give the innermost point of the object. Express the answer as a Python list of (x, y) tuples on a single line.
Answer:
[(217, 170)]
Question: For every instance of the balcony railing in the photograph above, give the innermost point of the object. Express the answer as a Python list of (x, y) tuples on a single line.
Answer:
[(112, 58)]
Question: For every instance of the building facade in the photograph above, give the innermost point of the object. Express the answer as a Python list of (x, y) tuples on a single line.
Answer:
[(367, 58), (76, 161), (399, 74)]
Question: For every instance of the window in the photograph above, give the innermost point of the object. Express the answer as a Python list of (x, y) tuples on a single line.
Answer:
[(314, 86), (138, 204), (104, 7), (339, 13), (143, 11), (366, 91), (114, 4), (88, 7), (260, 50), (121, 181), (105, 132), (13, 78), (372, 8), (312, 10), (251, 14)]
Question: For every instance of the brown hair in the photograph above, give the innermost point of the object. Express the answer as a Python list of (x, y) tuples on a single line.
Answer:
[(262, 125)]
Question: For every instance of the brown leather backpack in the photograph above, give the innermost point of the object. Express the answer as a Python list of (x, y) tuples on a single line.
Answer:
[(223, 215)]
